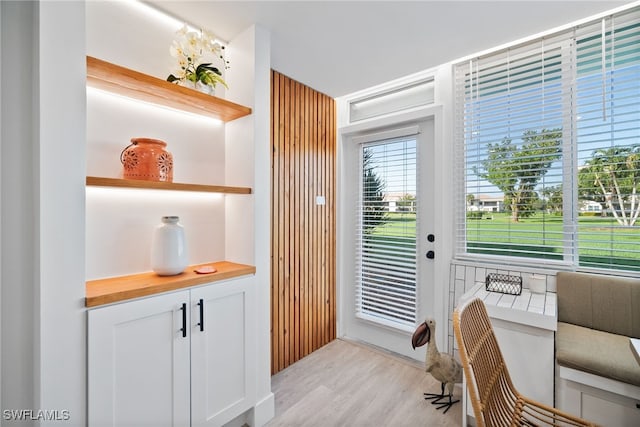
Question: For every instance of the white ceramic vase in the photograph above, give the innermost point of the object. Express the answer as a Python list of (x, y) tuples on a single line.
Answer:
[(168, 248)]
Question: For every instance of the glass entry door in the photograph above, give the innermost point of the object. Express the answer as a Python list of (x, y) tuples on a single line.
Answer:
[(390, 280)]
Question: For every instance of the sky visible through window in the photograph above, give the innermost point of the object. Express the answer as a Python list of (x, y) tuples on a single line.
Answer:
[(389, 161)]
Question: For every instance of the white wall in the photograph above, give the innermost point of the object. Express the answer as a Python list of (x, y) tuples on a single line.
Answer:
[(250, 85), (0, 209), (137, 38), (43, 116), (18, 203), (60, 296)]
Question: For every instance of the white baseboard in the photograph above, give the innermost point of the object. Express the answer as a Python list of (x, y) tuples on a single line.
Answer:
[(264, 411)]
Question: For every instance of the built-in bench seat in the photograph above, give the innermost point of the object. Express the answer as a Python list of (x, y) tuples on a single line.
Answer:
[(597, 352), (596, 368)]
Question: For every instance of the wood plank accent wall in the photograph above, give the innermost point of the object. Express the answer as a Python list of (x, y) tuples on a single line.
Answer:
[(303, 234)]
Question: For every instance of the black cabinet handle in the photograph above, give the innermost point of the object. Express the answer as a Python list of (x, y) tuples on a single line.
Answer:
[(431, 255), (184, 319), (201, 324)]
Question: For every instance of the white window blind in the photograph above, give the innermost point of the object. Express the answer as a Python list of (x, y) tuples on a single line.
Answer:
[(608, 142), (386, 233), (548, 137)]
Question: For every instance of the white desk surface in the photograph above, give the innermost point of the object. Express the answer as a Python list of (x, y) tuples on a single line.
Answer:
[(635, 347), (538, 310)]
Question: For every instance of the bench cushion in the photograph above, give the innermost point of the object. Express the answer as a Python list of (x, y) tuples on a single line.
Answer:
[(597, 352), (607, 303)]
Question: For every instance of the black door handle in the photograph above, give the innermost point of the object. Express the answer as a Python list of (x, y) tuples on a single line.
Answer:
[(431, 255), (184, 319), (201, 323)]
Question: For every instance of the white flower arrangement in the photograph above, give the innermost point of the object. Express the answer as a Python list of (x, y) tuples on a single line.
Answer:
[(195, 52)]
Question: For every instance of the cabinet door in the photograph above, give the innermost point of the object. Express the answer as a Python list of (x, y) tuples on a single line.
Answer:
[(222, 351), (529, 355), (138, 367)]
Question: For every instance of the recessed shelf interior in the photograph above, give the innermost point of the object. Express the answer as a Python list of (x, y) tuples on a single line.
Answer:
[(140, 87)]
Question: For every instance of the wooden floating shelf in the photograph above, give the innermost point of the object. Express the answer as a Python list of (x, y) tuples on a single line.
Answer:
[(115, 289), (133, 84), (157, 185)]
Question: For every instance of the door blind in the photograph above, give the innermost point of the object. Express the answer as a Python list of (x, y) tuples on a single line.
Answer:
[(386, 233)]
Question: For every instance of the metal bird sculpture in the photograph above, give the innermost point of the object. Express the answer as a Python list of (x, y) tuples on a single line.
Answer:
[(443, 367)]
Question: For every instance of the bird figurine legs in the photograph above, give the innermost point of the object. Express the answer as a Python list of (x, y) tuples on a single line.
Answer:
[(436, 396), (438, 399)]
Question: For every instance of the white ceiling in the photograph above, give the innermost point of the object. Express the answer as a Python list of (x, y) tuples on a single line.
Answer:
[(340, 47)]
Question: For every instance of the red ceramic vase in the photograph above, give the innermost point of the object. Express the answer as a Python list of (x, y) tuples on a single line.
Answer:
[(146, 159)]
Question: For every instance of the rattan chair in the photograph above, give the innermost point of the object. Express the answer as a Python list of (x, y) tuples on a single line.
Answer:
[(495, 400)]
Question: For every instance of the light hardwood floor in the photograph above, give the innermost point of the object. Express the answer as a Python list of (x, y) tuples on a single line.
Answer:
[(350, 384)]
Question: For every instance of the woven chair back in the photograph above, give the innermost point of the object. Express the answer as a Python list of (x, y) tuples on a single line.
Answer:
[(495, 400)]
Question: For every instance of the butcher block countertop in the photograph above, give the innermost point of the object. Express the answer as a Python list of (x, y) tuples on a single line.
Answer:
[(116, 289)]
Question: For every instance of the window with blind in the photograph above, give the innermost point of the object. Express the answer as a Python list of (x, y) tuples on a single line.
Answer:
[(548, 144), (386, 233)]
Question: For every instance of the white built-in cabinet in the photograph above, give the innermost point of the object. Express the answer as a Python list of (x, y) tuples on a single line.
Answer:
[(176, 359)]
